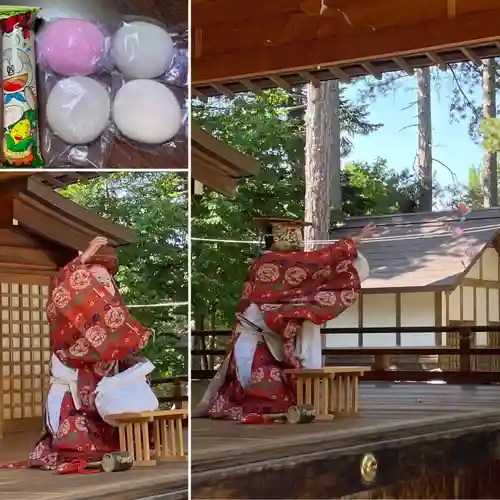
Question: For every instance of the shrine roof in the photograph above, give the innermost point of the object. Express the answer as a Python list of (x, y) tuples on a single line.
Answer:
[(40, 210), (218, 165), (418, 252)]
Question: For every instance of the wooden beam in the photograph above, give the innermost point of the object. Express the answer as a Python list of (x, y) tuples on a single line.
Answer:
[(281, 83), (472, 57), (438, 317), (370, 69), (290, 53), (473, 282), (252, 87), (223, 90), (398, 319), (404, 65), (310, 78), (207, 175), (237, 164), (360, 319), (340, 74), (437, 60)]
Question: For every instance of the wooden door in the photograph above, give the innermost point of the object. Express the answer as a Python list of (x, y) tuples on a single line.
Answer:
[(24, 349)]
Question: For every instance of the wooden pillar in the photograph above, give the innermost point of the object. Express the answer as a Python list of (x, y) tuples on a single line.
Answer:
[(465, 346), (382, 362)]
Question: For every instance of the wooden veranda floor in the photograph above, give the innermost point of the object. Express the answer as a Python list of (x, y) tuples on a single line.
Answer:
[(386, 412), (168, 480)]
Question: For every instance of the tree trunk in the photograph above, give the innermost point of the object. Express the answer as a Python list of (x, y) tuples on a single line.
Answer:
[(322, 155), (490, 175), (424, 138), (333, 154), (322, 170)]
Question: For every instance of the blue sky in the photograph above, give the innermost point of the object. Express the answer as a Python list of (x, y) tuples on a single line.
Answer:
[(451, 142)]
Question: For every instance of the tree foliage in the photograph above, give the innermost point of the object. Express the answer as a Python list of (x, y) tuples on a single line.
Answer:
[(154, 269)]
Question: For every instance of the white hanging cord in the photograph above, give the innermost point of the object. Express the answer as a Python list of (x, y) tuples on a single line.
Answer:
[(213, 240), (250, 242), (161, 304)]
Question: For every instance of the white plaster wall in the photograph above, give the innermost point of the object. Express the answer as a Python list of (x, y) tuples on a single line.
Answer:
[(468, 304), (348, 319), (379, 310), (454, 305), (493, 305), (475, 271), (489, 265), (417, 309)]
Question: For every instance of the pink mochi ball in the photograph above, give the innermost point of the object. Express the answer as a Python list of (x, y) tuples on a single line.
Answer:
[(71, 47)]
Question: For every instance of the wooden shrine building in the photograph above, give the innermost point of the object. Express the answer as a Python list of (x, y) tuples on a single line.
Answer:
[(421, 275)]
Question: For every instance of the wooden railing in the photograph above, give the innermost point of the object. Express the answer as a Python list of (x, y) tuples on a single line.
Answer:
[(176, 386), (465, 354)]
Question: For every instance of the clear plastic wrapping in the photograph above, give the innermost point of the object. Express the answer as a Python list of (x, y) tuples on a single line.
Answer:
[(73, 56), (21, 139), (150, 79), (77, 122), (105, 84), (149, 114)]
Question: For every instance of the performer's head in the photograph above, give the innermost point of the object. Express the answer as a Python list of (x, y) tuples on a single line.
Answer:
[(103, 269), (282, 235)]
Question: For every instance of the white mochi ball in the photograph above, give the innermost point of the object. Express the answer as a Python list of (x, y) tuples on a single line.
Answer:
[(78, 109), (142, 50), (147, 111)]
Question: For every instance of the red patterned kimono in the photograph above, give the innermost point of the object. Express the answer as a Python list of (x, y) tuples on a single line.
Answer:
[(92, 332), (289, 288)]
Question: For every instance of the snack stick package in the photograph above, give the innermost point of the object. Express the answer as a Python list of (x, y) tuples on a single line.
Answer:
[(21, 142)]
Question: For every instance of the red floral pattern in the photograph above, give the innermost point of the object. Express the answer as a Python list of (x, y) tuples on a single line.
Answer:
[(289, 288), (91, 330)]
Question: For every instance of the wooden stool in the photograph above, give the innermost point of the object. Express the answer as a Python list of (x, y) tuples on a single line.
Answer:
[(331, 390), (133, 429)]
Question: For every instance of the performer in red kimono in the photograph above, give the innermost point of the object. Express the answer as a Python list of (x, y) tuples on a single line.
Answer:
[(287, 295), (92, 336)]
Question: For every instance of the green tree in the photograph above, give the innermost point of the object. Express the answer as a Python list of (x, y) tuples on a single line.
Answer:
[(154, 269)]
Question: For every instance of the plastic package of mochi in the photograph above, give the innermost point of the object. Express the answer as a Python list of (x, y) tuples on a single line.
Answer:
[(73, 58), (21, 139), (142, 48), (150, 84)]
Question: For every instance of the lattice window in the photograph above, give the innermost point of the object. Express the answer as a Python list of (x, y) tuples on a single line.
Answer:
[(25, 349), (493, 342), (452, 362)]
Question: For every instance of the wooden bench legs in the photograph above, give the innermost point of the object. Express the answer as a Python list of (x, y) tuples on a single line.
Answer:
[(134, 438), (168, 439), (168, 442)]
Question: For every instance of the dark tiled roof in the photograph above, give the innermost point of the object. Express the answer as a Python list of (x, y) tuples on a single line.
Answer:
[(419, 250)]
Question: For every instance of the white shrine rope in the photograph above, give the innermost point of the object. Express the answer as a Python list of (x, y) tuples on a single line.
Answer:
[(161, 304), (250, 242)]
